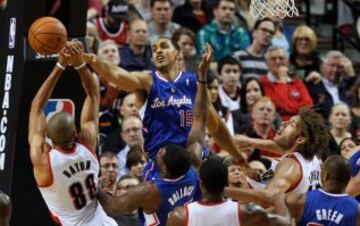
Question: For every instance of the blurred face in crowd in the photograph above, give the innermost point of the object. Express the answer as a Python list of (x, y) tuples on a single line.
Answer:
[(164, 53), (253, 93), (137, 169), (263, 113), (258, 166), (161, 13), (235, 176), (230, 75), (186, 45), (110, 53), (213, 89), (225, 12), (131, 131), (303, 45), (126, 185), (138, 33), (340, 117), (348, 148), (264, 33), (333, 69), (128, 107), (275, 59), (289, 133), (196, 4), (109, 168)]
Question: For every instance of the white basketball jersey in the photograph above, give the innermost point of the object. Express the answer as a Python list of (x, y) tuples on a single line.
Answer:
[(71, 195), (310, 174), (225, 213)]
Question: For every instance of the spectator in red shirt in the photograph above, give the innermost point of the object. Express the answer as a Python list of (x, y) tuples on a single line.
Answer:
[(288, 94)]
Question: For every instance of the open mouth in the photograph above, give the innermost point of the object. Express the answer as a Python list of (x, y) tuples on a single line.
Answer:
[(160, 58)]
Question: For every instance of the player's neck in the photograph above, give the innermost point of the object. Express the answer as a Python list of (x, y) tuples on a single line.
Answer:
[(170, 72), (333, 188), (210, 199)]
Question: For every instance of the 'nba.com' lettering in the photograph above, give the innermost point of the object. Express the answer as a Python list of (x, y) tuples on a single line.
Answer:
[(4, 109)]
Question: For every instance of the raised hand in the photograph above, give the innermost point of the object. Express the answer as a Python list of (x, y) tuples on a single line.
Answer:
[(205, 62), (76, 49), (64, 57)]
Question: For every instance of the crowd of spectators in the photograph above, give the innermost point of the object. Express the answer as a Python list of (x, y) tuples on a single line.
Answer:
[(263, 73)]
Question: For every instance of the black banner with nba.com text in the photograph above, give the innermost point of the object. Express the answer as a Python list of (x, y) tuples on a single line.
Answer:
[(11, 79)]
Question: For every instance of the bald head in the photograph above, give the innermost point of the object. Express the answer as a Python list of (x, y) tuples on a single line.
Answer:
[(337, 169), (5, 209), (61, 129)]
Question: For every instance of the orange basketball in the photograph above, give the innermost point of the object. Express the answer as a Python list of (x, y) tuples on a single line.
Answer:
[(47, 35)]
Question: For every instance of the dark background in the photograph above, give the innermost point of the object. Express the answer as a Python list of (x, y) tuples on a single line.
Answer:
[(29, 73)]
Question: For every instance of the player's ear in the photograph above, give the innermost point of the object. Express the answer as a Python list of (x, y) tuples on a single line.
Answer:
[(300, 140)]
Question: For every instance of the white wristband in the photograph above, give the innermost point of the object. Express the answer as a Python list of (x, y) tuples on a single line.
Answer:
[(81, 66), (60, 66)]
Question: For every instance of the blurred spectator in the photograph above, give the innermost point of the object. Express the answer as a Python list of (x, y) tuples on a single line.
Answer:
[(250, 92), (262, 118), (348, 147), (92, 38), (113, 141), (113, 25), (213, 87), (252, 59), (194, 14), (288, 94), (355, 110), (338, 76), (339, 122), (236, 178), (186, 40), (280, 38), (221, 33), (143, 7), (132, 135), (160, 23), (304, 59), (94, 9), (243, 16), (125, 184), (229, 91), (5, 209), (135, 163), (109, 168), (136, 56)]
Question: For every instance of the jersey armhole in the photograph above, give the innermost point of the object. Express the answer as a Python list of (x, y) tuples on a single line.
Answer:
[(301, 176), (51, 173)]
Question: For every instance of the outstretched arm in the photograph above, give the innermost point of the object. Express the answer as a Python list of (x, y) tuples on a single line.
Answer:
[(90, 109), (128, 81), (177, 217), (242, 141), (256, 215), (197, 133), (37, 121), (145, 196)]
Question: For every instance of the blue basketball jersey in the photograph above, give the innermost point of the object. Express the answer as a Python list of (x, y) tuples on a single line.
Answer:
[(323, 208), (168, 113), (355, 166), (174, 193)]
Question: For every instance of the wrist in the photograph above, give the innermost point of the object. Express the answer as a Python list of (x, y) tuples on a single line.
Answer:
[(60, 65), (80, 66), (204, 82)]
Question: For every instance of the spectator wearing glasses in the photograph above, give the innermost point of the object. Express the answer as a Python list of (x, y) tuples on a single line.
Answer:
[(132, 135), (252, 59), (338, 75), (304, 59), (109, 168), (126, 183)]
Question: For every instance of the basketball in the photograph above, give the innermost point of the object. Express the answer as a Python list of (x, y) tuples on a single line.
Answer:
[(47, 35)]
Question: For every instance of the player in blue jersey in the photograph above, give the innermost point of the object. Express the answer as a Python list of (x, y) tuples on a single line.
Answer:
[(170, 92), (173, 182), (330, 205), (353, 187)]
